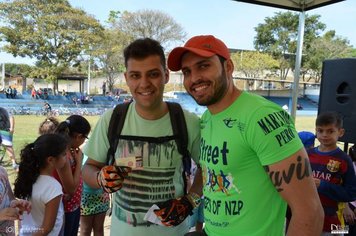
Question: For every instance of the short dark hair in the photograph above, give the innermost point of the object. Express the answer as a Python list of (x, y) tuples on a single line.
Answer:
[(142, 48), (329, 118)]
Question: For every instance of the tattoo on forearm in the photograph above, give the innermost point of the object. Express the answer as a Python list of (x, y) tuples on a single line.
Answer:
[(295, 170)]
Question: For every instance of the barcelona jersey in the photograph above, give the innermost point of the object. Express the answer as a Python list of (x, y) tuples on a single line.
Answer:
[(337, 178)]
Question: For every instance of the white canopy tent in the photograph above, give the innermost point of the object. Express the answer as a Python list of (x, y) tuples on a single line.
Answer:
[(295, 5)]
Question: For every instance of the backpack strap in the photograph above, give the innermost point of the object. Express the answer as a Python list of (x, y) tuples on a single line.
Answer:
[(116, 124), (180, 132), (179, 128)]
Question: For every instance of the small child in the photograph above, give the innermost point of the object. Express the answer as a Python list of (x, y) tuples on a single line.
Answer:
[(332, 169), (94, 205), (48, 126), (35, 181), (10, 208), (308, 139), (76, 128)]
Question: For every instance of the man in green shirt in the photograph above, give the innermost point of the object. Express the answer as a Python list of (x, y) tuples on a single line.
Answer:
[(252, 160)]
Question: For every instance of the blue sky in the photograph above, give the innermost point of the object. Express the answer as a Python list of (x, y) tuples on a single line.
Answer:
[(231, 21)]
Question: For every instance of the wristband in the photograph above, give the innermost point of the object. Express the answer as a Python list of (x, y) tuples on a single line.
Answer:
[(194, 199)]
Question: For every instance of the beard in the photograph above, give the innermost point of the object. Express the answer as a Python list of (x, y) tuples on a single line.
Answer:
[(219, 90)]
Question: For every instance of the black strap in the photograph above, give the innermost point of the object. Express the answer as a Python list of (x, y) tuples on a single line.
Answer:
[(115, 127), (179, 127), (180, 133)]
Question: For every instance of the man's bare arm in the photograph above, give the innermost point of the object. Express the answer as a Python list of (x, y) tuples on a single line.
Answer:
[(292, 178)]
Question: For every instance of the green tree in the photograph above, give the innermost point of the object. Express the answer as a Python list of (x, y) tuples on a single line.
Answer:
[(23, 70), (109, 54), (279, 35), (329, 46), (353, 52), (253, 64), (49, 31), (149, 23), (18, 69)]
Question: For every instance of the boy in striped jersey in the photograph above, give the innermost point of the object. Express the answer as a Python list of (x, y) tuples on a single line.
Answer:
[(332, 169)]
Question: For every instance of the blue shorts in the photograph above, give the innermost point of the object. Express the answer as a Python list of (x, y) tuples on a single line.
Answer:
[(6, 138), (198, 215)]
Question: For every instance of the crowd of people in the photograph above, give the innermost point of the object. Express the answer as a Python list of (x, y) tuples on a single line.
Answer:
[(39, 93), (11, 92), (247, 162)]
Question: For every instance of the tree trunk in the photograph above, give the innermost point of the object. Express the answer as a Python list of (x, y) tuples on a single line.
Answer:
[(24, 84)]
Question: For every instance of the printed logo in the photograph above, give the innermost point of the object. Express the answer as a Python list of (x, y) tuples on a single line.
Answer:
[(229, 122), (339, 229), (333, 166), (219, 182)]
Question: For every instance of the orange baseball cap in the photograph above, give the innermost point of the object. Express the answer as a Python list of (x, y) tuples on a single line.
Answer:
[(202, 45)]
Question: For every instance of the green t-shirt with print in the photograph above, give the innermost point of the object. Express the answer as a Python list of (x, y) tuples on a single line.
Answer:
[(161, 176), (236, 144)]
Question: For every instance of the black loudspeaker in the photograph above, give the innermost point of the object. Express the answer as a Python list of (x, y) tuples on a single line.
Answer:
[(338, 93)]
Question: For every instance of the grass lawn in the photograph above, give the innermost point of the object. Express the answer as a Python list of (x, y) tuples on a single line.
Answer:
[(26, 131)]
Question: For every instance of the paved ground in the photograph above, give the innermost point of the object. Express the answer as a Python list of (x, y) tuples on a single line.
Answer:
[(106, 227)]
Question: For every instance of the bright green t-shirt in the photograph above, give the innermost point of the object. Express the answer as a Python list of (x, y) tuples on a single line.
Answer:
[(236, 144), (161, 176)]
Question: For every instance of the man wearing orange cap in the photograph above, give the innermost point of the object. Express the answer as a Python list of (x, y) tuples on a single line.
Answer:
[(253, 162)]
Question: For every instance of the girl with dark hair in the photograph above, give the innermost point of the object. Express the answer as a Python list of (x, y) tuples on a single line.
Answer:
[(76, 128), (35, 182)]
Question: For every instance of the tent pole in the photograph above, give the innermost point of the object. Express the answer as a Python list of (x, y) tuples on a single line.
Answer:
[(298, 62), (88, 88)]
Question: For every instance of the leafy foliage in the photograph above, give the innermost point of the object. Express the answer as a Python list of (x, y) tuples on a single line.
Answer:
[(279, 36), (125, 27), (50, 31), (18, 69), (152, 24), (253, 63), (109, 53), (329, 46)]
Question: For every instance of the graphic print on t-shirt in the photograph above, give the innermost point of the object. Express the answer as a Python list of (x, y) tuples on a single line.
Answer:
[(153, 183)]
